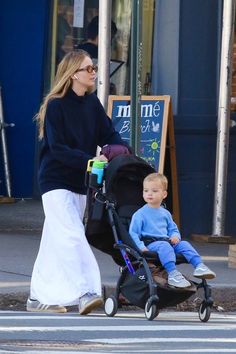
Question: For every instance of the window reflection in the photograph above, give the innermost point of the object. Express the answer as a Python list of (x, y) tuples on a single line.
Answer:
[(64, 28), (69, 38)]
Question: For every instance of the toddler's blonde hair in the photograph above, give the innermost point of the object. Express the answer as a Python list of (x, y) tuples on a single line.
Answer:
[(157, 177)]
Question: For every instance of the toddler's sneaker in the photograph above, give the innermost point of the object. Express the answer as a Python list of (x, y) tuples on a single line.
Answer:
[(202, 271), (175, 278), (36, 306), (89, 302)]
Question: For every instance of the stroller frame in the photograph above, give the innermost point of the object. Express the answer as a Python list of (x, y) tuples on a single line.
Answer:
[(113, 302)]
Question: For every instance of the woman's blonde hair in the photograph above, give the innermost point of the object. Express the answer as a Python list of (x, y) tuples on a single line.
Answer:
[(157, 177), (62, 82)]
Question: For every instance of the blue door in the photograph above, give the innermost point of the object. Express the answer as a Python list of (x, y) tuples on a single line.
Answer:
[(23, 38)]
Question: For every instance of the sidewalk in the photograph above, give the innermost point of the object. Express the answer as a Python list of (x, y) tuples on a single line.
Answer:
[(20, 232)]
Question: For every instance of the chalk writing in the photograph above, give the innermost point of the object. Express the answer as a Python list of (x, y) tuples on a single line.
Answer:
[(151, 126)]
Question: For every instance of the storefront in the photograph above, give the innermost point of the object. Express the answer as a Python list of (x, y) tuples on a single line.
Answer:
[(181, 53), (69, 31)]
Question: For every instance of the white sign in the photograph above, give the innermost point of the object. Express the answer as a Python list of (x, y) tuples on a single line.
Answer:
[(78, 20)]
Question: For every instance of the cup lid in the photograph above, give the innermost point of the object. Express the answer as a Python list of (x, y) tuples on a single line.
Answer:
[(99, 164)]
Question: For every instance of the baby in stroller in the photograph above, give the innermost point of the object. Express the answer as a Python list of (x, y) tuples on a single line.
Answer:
[(110, 207), (153, 229)]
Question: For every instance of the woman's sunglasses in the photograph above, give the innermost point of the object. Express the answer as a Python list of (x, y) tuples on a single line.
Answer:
[(89, 68)]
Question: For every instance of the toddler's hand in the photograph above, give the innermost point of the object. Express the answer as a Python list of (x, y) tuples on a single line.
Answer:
[(144, 249), (174, 240)]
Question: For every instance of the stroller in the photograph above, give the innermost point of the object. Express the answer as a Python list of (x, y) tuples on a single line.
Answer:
[(143, 281)]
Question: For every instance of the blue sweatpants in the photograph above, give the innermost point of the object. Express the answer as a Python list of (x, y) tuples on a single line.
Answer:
[(167, 253)]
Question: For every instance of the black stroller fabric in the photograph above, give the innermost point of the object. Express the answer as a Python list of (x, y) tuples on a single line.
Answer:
[(135, 289), (124, 188)]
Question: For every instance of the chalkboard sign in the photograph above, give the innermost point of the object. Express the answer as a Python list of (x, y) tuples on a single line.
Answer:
[(155, 130)]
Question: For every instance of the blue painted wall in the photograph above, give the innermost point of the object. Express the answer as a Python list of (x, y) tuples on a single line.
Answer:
[(23, 34), (196, 119), (186, 66)]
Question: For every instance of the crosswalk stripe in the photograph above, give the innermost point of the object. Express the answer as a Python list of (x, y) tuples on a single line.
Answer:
[(101, 328), (51, 352), (161, 340), (188, 324), (175, 316), (59, 352), (130, 317), (188, 351)]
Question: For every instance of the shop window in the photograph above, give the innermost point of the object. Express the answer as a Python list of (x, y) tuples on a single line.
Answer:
[(66, 37), (64, 29), (233, 87), (121, 14), (147, 36)]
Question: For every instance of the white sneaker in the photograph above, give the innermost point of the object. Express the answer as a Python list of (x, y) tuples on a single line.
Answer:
[(202, 271), (36, 306), (175, 278), (89, 302)]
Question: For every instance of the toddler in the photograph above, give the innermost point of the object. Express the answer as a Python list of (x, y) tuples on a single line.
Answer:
[(153, 229)]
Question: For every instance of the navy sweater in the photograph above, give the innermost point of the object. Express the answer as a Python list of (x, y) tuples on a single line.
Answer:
[(74, 126)]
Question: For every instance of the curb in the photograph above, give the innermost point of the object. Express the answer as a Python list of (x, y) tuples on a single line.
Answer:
[(224, 300)]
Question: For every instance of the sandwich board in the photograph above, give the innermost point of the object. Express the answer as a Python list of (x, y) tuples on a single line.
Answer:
[(157, 140)]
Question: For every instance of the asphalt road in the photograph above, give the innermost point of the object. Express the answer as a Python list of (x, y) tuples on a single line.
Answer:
[(127, 332)]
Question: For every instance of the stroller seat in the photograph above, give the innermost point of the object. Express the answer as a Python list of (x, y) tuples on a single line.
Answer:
[(125, 213)]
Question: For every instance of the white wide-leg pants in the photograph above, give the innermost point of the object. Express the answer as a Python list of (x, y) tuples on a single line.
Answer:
[(65, 268)]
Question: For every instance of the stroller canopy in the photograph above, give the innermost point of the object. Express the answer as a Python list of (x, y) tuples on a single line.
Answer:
[(124, 179)]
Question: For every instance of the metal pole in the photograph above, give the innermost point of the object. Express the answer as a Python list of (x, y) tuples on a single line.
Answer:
[(223, 118), (54, 42), (135, 75), (104, 51), (3, 126)]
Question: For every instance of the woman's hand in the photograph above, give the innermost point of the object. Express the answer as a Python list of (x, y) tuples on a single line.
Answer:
[(100, 158)]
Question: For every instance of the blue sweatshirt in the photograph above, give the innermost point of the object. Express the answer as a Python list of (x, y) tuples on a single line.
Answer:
[(154, 222), (74, 126)]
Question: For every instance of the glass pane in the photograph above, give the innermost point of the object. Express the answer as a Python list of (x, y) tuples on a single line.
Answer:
[(121, 14), (147, 39), (69, 38), (65, 40), (233, 87)]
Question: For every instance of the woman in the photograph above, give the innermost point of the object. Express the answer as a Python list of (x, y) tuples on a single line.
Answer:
[(72, 122)]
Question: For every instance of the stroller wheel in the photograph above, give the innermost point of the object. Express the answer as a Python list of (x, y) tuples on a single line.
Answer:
[(111, 306), (204, 312), (152, 312)]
